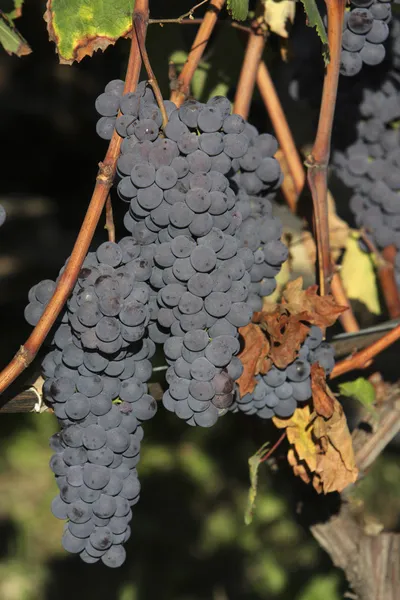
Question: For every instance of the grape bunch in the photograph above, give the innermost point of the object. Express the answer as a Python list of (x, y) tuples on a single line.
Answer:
[(95, 381), (184, 191), (203, 248), (365, 31), (370, 166), (280, 391)]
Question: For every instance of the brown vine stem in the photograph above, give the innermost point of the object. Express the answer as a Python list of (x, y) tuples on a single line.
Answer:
[(282, 130), (388, 282), (360, 359), (110, 226), (199, 45), (318, 160), (384, 265), (140, 28), (104, 181), (248, 74)]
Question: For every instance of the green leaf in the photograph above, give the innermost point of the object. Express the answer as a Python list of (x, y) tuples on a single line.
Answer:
[(358, 276), (314, 20), (254, 463), (360, 389), (80, 27), (17, 12), (239, 9), (10, 38)]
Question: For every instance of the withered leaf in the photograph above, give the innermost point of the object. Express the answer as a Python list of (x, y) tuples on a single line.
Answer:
[(299, 468), (323, 399), (321, 445), (317, 310), (286, 334), (253, 357)]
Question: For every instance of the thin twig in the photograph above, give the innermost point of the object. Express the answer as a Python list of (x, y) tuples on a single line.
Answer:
[(388, 283), (347, 318), (110, 226), (282, 129), (104, 181), (318, 160), (140, 28), (198, 47), (384, 264), (274, 447), (248, 74), (180, 19), (359, 360), (224, 23)]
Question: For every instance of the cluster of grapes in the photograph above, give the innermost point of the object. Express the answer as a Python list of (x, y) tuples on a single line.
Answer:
[(370, 166), (182, 201), (203, 248), (279, 391), (95, 381), (365, 31)]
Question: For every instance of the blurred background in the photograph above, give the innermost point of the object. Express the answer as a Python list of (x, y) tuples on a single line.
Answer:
[(189, 540)]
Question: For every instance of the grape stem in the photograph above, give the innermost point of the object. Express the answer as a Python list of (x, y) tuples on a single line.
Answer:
[(199, 45), (387, 281), (283, 133), (110, 226), (104, 181), (140, 27), (274, 447), (384, 263), (317, 161), (248, 74), (289, 157), (278, 119), (180, 19)]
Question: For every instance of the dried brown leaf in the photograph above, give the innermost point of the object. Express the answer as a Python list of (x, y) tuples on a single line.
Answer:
[(321, 445), (299, 468), (323, 399), (286, 334), (253, 357), (317, 310)]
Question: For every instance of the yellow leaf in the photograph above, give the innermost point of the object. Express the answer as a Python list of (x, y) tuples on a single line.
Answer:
[(359, 277), (279, 15), (321, 448), (299, 434)]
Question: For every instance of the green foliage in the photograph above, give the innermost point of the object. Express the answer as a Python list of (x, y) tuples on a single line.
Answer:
[(17, 11), (314, 20), (239, 9), (10, 38), (360, 389), (80, 27)]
